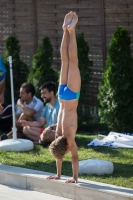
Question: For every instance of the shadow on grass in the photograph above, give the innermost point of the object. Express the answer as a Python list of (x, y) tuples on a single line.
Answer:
[(82, 140), (123, 170), (120, 170), (106, 150), (47, 167), (114, 152)]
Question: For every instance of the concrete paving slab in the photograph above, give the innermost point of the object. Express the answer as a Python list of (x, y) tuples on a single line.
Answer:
[(14, 193), (83, 190)]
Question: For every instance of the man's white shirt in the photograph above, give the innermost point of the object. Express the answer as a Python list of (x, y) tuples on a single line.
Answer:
[(35, 104)]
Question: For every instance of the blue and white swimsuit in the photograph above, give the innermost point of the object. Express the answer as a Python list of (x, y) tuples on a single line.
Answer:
[(66, 94)]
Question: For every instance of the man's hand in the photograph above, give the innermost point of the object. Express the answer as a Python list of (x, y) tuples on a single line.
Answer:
[(19, 102), (47, 128), (24, 123)]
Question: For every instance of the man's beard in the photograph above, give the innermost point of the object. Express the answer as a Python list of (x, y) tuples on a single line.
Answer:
[(47, 100)]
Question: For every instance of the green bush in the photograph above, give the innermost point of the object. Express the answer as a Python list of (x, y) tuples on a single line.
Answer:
[(85, 71), (115, 91), (94, 126), (20, 69), (41, 70)]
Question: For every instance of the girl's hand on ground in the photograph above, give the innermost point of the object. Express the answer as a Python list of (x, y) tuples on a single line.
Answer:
[(56, 177)]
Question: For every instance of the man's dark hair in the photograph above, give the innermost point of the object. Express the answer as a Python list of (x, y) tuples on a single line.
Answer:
[(50, 86), (28, 88)]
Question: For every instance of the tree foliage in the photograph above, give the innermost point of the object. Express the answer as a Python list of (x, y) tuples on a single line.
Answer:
[(116, 88), (85, 71), (20, 69), (42, 70)]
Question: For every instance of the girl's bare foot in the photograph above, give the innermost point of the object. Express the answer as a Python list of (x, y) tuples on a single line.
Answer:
[(67, 20), (73, 23)]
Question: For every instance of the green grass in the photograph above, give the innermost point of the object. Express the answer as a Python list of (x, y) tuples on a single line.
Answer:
[(41, 159)]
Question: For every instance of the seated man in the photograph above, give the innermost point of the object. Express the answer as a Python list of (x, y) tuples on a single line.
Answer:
[(28, 108), (35, 130), (2, 83), (68, 92)]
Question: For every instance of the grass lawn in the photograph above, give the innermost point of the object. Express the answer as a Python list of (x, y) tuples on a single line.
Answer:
[(41, 159)]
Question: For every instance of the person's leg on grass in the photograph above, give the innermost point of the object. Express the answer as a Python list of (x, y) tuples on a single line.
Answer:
[(24, 117), (47, 135), (19, 127), (32, 133)]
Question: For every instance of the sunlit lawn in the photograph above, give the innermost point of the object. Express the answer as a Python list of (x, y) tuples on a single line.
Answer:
[(41, 159)]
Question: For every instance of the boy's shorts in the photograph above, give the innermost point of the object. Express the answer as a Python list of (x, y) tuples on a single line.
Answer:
[(41, 130), (66, 94)]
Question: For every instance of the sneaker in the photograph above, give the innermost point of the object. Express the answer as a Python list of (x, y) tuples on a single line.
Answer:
[(4, 136)]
